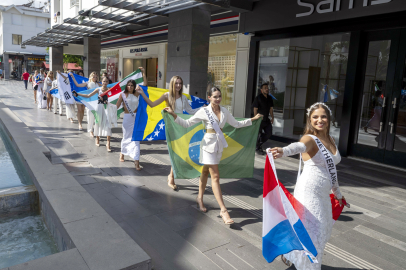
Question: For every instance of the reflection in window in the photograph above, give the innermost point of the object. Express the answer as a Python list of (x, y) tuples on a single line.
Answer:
[(300, 72)]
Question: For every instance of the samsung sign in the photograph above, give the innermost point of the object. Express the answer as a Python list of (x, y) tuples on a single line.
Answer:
[(328, 6), (138, 50)]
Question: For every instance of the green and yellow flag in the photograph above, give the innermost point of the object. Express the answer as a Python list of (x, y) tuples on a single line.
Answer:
[(184, 149)]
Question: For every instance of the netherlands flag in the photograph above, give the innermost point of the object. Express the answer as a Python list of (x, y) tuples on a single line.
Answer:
[(282, 231)]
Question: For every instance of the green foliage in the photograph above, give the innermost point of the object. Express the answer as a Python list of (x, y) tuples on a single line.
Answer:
[(68, 58)]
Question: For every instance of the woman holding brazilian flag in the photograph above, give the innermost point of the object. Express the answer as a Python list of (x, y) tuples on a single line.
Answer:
[(214, 118)]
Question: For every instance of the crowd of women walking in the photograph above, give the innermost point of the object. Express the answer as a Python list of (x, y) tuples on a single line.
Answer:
[(313, 186)]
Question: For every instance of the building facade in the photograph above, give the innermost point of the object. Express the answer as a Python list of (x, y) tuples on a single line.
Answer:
[(348, 54), (18, 23)]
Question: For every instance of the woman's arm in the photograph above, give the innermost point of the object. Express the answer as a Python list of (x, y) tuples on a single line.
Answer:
[(198, 117), (75, 82), (187, 106), (152, 104), (305, 145), (88, 95), (239, 124), (119, 101), (144, 76)]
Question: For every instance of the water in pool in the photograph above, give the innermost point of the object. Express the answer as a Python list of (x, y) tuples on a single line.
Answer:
[(13, 173), (24, 238)]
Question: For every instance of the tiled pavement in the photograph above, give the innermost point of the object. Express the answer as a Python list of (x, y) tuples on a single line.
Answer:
[(166, 224)]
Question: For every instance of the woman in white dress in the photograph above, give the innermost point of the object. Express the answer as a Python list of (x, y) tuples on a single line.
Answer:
[(48, 86), (130, 99), (91, 84), (39, 79), (70, 108), (177, 102), (35, 86), (211, 148), (103, 126), (57, 101), (313, 186)]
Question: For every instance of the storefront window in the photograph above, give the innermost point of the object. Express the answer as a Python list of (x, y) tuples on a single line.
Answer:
[(300, 72), (109, 64), (221, 69)]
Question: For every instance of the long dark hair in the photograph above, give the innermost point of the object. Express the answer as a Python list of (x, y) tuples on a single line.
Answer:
[(126, 86), (309, 128)]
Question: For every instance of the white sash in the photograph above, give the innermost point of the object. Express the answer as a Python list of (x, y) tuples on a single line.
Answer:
[(126, 104), (328, 161), (216, 128)]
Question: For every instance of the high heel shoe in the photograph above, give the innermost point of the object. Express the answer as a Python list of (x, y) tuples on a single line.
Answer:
[(172, 186), (121, 158), (202, 209), (227, 221), (97, 142), (108, 147)]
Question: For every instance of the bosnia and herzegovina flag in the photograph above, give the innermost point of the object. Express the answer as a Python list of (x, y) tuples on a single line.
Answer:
[(184, 149), (113, 94), (149, 124)]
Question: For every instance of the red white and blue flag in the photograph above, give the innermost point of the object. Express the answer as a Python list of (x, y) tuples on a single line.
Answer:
[(283, 230)]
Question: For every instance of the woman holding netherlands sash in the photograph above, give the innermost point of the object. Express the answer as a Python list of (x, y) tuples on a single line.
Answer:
[(175, 99), (313, 186), (130, 99), (214, 118)]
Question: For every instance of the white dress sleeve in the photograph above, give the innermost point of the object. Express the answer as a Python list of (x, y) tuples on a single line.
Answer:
[(234, 123), (293, 149), (336, 190), (198, 117)]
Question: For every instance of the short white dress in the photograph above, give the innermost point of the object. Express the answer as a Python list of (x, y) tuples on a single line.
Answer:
[(211, 147), (129, 147)]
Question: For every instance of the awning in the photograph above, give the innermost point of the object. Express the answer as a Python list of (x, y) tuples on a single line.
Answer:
[(72, 66), (121, 17)]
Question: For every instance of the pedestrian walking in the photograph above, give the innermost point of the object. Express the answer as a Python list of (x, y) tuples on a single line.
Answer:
[(104, 75), (319, 177), (177, 102), (130, 101), (39, 80), (70, 108), (374, 122), (103, 126), (91, 84), (214, 118), (34, 82), (263, 104), (57, 101), (47, 86), (25, 78)]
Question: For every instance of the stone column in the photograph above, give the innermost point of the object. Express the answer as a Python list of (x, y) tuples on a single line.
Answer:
[(56, 58), (6, 69), (241, 74), (92, 49), (188, 49)]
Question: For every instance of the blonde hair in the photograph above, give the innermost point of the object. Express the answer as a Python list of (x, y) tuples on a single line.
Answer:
[(92, 75), (172, 92), (53, 77)]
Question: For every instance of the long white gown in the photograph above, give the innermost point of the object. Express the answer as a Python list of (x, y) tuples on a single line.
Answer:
[(313, 191), (107, 118)]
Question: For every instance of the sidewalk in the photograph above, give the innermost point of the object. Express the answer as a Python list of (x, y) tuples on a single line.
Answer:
[(167, 225)]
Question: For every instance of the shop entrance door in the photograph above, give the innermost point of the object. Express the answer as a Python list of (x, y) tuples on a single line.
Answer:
[(381, 123)]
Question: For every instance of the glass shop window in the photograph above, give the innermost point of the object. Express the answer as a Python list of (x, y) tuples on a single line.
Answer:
[(301, 72)]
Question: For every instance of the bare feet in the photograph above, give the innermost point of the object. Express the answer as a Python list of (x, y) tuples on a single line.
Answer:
[(71, 120), (226, 217), (121, 158), (137, 165), (201, 205), (97, 141), (108, 147), (91, 134)]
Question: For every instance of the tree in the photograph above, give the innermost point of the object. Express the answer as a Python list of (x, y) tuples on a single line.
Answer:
[(68, 58)]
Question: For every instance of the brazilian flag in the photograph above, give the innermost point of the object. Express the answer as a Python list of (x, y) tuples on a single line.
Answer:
[(184, 149)]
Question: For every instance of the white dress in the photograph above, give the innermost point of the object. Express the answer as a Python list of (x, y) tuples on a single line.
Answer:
[(89, 114), (313, 191), (128, 147), (42, 104), (211, 147), (107, 117)]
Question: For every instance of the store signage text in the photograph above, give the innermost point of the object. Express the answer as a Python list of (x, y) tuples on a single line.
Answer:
[(36, 59), (328, 6), (138, 50)]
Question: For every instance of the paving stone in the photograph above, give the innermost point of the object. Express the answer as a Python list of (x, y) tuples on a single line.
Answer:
[(66, 260), (81, 168)]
